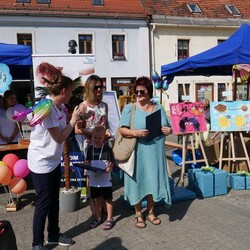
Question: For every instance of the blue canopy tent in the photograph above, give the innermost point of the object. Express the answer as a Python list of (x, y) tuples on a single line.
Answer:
[(18, 58), (215, 61)]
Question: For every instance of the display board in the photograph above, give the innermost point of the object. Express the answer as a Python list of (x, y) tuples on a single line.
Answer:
[(230, 116), (187, 117), (114, 115)]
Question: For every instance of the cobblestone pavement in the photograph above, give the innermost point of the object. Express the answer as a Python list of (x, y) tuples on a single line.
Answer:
[(220, 222)]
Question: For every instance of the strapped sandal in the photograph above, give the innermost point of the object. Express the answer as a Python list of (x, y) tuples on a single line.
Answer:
[(138, 223), (109, 224), (95, 223), (156, 221)]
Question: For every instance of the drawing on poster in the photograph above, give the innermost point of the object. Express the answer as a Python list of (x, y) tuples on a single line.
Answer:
[(187, 117), (230, 116)]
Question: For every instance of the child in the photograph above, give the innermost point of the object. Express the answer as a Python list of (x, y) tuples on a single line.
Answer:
[(100, 155)]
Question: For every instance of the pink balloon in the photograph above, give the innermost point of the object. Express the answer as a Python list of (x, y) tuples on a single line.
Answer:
[(10, 113), (21, 169), (17, 109), (10, 160), (17, 185), (5, 174)]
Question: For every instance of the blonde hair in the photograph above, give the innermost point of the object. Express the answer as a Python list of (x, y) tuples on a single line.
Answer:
[(89, 94), (206, 102)]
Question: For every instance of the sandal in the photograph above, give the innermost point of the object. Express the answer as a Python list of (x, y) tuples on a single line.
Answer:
[(95, 223), (155, 221), (139, 223), (109, 225)]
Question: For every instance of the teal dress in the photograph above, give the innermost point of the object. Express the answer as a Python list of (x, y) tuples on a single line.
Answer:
[(150, 173)]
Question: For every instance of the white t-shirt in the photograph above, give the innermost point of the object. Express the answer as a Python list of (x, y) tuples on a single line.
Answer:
[(44, 154), (7, 127)]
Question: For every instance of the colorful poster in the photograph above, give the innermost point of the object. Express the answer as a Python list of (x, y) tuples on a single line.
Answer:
[(73, 66), (187, 117), (230, 116)]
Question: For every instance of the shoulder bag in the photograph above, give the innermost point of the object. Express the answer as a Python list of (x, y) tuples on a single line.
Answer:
[(123, 147)]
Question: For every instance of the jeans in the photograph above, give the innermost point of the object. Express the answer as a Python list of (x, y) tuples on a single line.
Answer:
[(47, 188)]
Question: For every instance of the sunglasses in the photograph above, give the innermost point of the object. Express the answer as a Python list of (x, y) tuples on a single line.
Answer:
[(142, 92), (98, 87)]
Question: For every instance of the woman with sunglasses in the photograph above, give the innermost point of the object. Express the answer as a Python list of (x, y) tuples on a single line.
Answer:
[(150, 179), (96, 113)]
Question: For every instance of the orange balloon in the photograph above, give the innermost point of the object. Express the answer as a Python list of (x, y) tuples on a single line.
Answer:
[(17, 185), (5, 174)]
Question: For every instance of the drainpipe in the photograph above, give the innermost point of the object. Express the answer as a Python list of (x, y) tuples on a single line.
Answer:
[(152, 47)]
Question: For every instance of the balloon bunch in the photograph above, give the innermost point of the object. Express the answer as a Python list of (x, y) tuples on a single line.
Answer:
[(12, 172), (161, 84), (39, 111)]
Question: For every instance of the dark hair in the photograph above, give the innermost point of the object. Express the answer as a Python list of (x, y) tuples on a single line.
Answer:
[(147, 83), (99, 129), (8, 93), (57, 84), (189, 119)]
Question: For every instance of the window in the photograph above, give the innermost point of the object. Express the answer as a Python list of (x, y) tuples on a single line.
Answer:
[(183, 49), (204, 91), (85, 44), (43, 1), (221, 89), (233, 10), (118, 47), (183, 92), (194, 8), (23, 1), (220, 41), (24, 39), (98, 2)]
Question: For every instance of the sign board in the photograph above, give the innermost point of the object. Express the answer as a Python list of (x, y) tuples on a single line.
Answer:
[(114, 115), (188, 117), (230, 116), (70, 65)]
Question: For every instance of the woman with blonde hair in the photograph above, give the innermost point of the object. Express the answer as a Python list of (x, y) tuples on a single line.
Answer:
[(96, 114)]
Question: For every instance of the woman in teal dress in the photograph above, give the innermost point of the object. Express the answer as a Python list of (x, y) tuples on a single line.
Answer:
[(150, 178)]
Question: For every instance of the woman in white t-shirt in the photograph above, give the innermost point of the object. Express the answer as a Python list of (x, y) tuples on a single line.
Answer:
[(9, 131), (44, 161)]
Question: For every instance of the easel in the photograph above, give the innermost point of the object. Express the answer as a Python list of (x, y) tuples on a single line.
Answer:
[(185, 140), (231, 149)]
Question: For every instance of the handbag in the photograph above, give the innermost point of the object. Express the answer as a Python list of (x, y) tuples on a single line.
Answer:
[(128, 166), (123, 147)]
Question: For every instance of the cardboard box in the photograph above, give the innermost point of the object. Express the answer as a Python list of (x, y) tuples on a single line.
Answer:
[(207, 184), (238, 182)]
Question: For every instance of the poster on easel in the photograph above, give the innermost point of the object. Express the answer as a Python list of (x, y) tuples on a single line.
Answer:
[(187, 117), (230, 116)]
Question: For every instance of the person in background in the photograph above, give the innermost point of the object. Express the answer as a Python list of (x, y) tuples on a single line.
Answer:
[(207, 117), (100, 155), (96, 114), (150, 178), (44, 161), (9, 131)]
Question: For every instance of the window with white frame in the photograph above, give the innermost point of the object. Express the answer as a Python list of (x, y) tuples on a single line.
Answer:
[(85, 42), (24, 39), (118, 47), (183, 49)]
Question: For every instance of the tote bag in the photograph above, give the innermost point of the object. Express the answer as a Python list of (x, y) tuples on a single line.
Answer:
[(123, 147)]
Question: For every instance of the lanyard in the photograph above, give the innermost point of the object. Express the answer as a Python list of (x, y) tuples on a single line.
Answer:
[(93, 153)]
